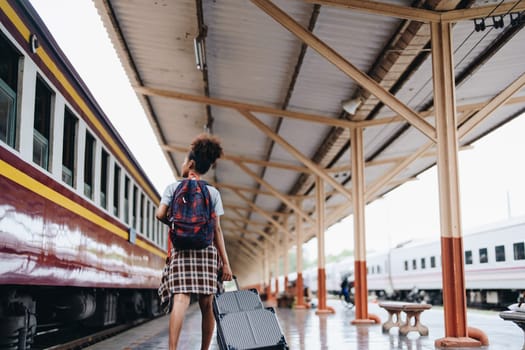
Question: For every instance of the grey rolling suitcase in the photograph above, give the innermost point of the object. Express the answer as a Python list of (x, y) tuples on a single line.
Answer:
[(244, 323)]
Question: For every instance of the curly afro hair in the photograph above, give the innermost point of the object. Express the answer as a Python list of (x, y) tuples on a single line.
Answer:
[(205, 150)]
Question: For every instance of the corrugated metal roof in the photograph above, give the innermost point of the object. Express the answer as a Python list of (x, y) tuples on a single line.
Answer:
[(252, 59)]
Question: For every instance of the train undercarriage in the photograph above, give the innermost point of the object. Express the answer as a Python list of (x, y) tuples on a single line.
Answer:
[(26, 312)]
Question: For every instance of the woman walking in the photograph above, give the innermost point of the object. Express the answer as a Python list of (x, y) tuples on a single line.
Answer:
[(193, 267)]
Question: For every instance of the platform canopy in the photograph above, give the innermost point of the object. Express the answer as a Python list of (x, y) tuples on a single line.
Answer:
[(272, 80)]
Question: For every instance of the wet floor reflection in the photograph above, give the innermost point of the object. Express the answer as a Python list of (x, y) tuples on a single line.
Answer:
[(362, 336), (406, 343), (304, 330), (323, 336)]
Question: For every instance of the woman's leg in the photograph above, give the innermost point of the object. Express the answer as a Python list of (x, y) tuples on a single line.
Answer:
[(180, 304), (208, 321)]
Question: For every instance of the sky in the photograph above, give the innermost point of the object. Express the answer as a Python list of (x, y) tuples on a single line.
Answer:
[(492, 174)]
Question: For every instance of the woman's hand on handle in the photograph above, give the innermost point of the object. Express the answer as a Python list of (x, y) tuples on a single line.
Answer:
[(226, 273)]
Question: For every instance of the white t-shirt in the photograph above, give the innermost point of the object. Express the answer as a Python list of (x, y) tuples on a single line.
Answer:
[(215, 195)]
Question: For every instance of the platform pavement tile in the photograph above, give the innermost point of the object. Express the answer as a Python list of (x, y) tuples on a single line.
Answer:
[(304, 330)]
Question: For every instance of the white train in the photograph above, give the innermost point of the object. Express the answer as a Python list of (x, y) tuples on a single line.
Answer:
[(494, 258)]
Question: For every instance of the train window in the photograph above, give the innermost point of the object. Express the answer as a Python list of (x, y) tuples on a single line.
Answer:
[(126, 200), (483, 256), (116, 191), (9, 62), (414, 264), (69, 147), (500, 252), (104, 179), (42, 123), (432, 262), (519, 251), (141, 229), (423, 263), (153, 224), (378, 269), (468, 257), (134, 208), (157, 226), (406, 265), (89, 154), (146, 224)]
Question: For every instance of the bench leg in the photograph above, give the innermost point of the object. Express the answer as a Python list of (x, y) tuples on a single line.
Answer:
[(408, 327), (390, 322)]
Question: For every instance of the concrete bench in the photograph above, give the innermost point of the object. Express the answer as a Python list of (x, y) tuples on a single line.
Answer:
[(412, 322)]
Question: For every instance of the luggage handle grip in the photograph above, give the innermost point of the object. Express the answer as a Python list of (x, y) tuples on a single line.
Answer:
[(221, 282)]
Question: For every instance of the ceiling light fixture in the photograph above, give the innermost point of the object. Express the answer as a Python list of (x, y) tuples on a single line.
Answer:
[(350, 106), (200, 52), (498, 22)]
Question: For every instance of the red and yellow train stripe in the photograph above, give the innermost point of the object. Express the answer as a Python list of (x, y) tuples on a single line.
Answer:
[(39, 188)]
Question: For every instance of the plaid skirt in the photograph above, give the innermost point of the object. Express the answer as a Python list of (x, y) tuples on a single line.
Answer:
[(189, 271)]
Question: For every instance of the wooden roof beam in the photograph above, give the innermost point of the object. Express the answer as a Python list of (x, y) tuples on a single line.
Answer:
[(221, 185), (430, 114), (346, 67), (383, 9), (263, 234), (245, 238), (293, 151), (275, 192), (347, 167), (259, 210), (274, 112), (247, 259), (396, 169), (238, 158), (249, 251), (246, 221), (482, 11), (424, 15), (491, 106), (238, 207)]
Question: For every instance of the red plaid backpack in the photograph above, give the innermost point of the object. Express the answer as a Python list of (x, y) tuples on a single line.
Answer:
[(192, 216)]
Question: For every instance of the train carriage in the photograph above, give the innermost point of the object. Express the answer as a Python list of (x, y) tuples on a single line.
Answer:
[(78, 237), (494, 257)]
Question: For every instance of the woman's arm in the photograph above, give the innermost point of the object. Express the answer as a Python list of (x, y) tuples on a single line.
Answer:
[(218, 239), (161, 213)]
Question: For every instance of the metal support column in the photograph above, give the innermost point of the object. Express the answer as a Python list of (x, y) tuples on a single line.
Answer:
[(299, 286), (276, 268), (286, 260), (358, 202), (322, 309), (454, 299), (267, 273)]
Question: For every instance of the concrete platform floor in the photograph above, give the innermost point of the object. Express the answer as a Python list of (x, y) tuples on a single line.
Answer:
[(305, 330)]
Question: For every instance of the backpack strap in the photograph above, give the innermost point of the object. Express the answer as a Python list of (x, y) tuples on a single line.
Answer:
[(204, 189)]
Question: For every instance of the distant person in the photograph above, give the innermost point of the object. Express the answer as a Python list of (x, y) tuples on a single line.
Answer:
[(345, 289), (347, 285), (194, 260)]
